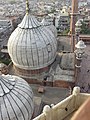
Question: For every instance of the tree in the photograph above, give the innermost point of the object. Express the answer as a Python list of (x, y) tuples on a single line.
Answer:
[(85, 29)]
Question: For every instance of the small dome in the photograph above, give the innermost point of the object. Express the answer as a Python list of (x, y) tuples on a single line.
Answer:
[(16, 98), (32, 46), (50, 26), (80, 45)]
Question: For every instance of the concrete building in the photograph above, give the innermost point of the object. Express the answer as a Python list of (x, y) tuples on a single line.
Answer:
[(5, 30), (62, 20)]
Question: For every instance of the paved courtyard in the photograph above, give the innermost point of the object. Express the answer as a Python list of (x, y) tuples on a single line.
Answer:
[(51, 95)]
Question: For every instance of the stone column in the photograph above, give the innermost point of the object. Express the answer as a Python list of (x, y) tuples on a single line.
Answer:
[(77, 68), (47, 112)]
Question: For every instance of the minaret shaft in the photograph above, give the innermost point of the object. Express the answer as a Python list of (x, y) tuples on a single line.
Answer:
[(74, 14)]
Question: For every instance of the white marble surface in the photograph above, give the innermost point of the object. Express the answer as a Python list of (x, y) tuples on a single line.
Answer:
[(16, 98), (49, 26), (32, 45)]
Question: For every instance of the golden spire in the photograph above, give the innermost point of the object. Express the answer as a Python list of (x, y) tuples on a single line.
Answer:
[(27, 7)]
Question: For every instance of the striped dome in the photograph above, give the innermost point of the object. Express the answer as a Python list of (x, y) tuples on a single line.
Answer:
[(32, 46), (16, 99), (50, 26)]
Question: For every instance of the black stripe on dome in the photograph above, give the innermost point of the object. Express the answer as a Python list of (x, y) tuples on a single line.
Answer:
[(8, 82), (6, 107), (39, 30), (4, 89), (18, 107), (23, 90), (32, 48), (17, 47), (53, 45), (36, 47), (24, 83), (24, 98), (21, 51), (1, 109), (31, 51), (30, 61), (26, 48), (1, 113), (12, 107), (19, 98)]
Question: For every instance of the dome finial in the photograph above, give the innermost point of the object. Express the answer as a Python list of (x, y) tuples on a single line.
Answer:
[(27, 7)]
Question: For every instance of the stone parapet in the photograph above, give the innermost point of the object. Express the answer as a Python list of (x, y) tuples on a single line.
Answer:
[(65, 108)]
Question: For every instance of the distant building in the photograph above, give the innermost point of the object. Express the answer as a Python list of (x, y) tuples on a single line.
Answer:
[(62, 21), (5, 30)]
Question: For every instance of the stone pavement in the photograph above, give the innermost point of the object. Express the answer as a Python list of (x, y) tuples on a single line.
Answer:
[(51, 95)]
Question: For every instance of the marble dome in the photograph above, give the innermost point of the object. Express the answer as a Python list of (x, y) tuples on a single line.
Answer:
[(32, 46), (16, 98), (50, 26)]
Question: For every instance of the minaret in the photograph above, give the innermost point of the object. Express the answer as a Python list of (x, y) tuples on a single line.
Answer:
[(73, 21)]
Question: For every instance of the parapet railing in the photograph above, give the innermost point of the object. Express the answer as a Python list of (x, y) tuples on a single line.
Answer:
[(64, 108)]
